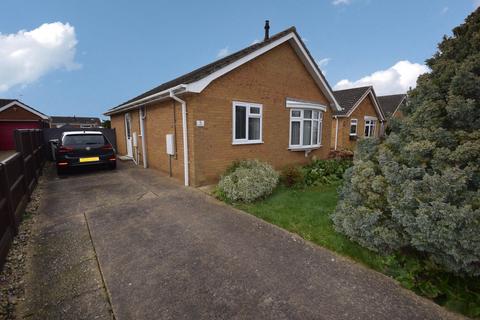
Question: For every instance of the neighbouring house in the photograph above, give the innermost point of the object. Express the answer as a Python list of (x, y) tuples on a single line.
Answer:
[(361, 117), (268, 101), (15, 114), (392, 105), (75, 122)]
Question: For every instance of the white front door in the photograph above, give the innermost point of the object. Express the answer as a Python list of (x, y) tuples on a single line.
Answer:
[(128, 134)]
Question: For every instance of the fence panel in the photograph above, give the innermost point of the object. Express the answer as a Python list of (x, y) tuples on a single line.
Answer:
[(18, 177), (6, 217)]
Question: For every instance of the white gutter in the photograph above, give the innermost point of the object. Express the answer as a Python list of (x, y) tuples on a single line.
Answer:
[(336, 133), (143, 115), (185, 136), (138, 102)]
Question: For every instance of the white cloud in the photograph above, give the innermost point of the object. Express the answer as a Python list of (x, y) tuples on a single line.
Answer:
[(476, 3), (445, 10), (396, 79), (340, 2), (223, 52), (26, 56), (322, 63)]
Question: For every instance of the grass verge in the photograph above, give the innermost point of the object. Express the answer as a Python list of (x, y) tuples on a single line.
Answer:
[(306, 212)]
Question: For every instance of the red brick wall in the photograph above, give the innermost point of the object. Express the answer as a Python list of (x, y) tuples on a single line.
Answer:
[(267, 80)]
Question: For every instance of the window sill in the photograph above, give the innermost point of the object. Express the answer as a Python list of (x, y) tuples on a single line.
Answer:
[(236, 143), (305, 148)]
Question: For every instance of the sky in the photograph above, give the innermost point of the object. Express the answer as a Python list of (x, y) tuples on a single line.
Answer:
[(67, 57)]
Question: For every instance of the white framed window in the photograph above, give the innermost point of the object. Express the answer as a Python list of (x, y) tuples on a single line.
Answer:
[(353, 127), (370, 124), (247, 123), (305, 128)]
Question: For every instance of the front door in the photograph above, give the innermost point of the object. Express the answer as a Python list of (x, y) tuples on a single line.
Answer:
[(128, 133)]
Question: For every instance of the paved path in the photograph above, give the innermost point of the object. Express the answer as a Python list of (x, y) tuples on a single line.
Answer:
[(167, 252)]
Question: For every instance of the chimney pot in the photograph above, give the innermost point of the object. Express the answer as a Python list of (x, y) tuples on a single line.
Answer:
[(267, 30)]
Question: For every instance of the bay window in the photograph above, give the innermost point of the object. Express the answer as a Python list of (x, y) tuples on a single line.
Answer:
[(247, 123), (305, 128)]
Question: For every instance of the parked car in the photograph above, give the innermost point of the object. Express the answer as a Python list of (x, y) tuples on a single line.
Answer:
[(84, 148)]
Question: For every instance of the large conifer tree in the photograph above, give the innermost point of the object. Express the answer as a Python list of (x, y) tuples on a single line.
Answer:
[(419, 189)]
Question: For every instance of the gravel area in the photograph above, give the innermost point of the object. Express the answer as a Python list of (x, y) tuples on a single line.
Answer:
[(12, 277)]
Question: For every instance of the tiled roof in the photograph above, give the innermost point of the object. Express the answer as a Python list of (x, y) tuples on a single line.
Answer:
[(390, 103), (204, 71), (4, 102), (348, 98), (74, 119)]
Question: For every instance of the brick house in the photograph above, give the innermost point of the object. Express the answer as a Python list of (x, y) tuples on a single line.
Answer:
[(15, 114), (392, 105), (360, 117), (268, 101)]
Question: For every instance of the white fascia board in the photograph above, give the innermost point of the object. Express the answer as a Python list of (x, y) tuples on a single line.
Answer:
[(21, 105), (375, 103), (154, 97), (396, 109), (200, 85), (311, 66), (292, 103)]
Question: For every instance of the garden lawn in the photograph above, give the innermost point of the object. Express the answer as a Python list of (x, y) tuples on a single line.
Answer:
[(306, 212)]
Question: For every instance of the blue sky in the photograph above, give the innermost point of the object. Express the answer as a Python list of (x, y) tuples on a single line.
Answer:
[(102, 53)]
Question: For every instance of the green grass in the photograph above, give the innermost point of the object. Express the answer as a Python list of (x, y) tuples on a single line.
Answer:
[(306, 212)]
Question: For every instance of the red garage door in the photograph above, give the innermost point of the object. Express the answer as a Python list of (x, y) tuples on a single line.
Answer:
[(6, 132)]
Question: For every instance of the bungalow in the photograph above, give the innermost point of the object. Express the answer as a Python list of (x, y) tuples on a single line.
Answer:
[(361, 116), (392, 105), (15, 114), (75, 122), (268, 101)]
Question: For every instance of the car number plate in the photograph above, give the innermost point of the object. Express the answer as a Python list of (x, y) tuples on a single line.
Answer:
[(91, 159)]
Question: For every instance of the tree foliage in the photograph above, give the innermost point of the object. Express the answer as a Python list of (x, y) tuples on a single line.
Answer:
[(419, 188)]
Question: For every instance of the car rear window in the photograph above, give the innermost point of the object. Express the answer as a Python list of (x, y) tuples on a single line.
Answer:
[(84, 139)]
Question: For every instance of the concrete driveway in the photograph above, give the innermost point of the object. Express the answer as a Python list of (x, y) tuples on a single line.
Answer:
[(156, 250)]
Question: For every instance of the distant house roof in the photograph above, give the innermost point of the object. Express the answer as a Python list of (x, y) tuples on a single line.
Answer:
[(198, 79), (74, 119), (349, 99), (4, 102), (7, 103), (390, 103)]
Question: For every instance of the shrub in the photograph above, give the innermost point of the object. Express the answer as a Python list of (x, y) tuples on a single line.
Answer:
[(325, 171), (247, 181), (292, 176), (420, 188)]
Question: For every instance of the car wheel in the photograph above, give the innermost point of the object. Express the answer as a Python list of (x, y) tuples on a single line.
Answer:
[(112, 166), (61, 171)]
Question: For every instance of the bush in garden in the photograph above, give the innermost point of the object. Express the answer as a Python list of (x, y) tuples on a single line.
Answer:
[(248, 180), (325, 171), (292, 176), (419, 189)]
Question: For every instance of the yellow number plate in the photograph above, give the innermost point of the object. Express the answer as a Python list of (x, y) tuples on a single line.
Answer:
[(91, 159)]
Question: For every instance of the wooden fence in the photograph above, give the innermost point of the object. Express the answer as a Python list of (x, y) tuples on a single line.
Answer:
[(18, 177)]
